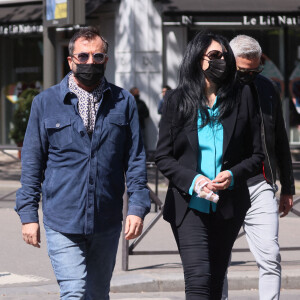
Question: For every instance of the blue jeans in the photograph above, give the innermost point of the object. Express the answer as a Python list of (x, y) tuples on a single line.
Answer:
[(83, 264)]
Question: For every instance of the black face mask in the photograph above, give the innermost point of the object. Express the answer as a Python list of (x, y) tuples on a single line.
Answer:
[(89, 74), (216, 71), (246, 77)]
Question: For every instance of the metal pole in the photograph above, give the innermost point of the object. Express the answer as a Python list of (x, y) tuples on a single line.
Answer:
[(125, 243), (156, 185), (156, 181), (49, 57), (286, 80)]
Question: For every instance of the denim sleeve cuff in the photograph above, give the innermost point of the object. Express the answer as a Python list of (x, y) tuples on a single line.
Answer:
[(232, 181), (191, 190), (137, 211), (139, 203), (29, 217)]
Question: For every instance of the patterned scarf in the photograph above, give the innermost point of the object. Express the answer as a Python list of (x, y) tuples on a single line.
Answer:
[(88, 103)]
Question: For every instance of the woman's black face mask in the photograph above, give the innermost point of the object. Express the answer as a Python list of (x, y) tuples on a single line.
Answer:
[(216, 71)]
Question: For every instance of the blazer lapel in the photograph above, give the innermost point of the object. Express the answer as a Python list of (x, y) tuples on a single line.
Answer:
[(228, 126), (192, 134)]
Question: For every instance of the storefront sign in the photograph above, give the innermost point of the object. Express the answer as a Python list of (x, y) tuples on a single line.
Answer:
[(271, 20), (23, 70), (20, 29), (63, 13), (246, 20)]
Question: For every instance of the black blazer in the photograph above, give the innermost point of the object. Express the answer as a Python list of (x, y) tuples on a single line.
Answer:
[(177, 154), (275, 140)]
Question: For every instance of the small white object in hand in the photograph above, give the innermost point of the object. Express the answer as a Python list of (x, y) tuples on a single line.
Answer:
[(202, 194)]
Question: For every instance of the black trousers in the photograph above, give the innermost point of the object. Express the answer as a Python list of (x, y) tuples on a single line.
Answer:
[(205, 242)]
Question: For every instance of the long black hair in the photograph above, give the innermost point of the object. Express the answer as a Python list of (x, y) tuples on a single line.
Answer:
[(192, 84)]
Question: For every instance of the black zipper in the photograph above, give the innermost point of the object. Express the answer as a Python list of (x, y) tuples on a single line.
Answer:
[(274, 185)]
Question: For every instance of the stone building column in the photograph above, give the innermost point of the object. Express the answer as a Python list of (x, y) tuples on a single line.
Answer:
[(175, 41), (138, 56)]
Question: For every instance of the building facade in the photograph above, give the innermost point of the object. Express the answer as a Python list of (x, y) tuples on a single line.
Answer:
[(147, 39), (275, 24)]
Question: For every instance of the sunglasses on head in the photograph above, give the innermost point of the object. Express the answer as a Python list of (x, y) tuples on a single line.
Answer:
[(214, 54), (83, 57), (257, 70)]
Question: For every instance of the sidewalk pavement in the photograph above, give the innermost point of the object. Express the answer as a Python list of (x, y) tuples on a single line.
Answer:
[(24, 269)]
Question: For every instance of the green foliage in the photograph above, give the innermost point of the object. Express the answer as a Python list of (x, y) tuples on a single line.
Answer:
[(21, 115)]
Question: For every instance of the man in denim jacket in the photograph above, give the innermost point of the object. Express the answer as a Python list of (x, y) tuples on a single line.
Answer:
[(82, 140)]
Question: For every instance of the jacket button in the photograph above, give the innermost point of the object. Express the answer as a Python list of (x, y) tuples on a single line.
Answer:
[(57, 125), (91, 181), (82, 133)]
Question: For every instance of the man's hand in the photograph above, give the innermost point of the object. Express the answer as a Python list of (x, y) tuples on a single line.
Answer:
[(31, 234), (133, 227), (222, 181), (285, 204)]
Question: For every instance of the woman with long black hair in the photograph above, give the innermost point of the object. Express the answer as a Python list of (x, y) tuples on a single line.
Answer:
[(209, 145)]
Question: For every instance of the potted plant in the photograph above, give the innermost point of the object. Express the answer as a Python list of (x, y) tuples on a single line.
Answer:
[(21, 116)]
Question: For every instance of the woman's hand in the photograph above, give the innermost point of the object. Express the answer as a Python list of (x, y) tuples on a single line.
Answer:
[(222, 181), (204, 189), (208, 188)]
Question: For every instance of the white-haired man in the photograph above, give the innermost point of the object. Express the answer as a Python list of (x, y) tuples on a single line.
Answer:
[(261, 221)]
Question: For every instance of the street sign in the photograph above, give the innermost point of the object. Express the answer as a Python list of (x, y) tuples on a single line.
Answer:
[(59, 13)]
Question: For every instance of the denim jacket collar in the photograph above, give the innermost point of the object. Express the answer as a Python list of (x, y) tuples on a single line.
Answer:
[(65, 91)]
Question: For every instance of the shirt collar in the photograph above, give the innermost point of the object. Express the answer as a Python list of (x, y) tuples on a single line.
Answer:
[(79, 92), (215, 105), (65, 90)]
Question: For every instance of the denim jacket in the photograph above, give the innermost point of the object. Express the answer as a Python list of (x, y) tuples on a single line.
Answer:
[(82, 179)]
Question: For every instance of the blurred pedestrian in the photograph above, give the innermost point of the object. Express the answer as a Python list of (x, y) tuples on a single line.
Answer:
[(143, 111), (165, 88), (209, 145), (294, 87)]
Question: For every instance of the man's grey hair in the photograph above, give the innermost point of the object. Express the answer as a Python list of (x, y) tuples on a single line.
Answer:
[(245, 46)]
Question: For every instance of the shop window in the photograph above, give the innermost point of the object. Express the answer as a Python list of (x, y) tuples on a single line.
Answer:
[(294, 84), (21, 68)]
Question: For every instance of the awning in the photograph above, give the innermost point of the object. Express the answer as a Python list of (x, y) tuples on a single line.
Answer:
[(15, 12), (230, 6), (92, 5), (21, 12)]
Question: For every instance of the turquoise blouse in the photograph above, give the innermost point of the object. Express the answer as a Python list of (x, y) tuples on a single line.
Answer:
[(210, 139)]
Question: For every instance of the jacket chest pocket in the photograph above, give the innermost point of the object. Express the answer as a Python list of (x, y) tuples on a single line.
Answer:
[(117, 128), (59, 131)]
